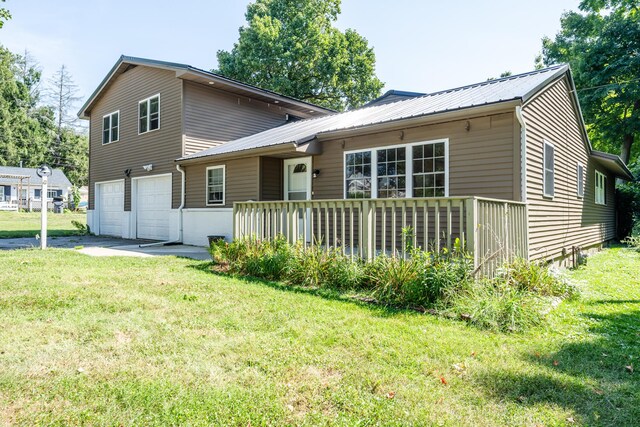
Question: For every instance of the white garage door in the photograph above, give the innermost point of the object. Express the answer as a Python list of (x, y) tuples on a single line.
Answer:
[(111, 208), (153, 207)]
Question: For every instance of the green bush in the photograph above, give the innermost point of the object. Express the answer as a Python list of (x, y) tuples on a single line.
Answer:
[(514, 299), (316, 266), (633, 242), (258, 258)]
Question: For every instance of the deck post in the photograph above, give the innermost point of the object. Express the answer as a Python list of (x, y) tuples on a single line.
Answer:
[(471, 209), (235, 221), (367, 233)]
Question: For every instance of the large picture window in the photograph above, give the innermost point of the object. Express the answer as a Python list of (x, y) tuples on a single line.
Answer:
[(215, 186), (601, 189), (111, 127), (149, 114), (413, 170)]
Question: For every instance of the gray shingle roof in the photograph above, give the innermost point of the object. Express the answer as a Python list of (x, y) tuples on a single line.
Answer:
[(57, 179), (518, 87)]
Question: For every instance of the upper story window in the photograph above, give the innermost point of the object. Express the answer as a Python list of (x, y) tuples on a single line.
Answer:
[(149, 114), (549, 170), (215, 185), (580, 180), (601, 189), (111, 127), (413, 170)]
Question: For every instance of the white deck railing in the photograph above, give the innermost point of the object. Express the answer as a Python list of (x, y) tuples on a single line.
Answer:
[(493, 231)]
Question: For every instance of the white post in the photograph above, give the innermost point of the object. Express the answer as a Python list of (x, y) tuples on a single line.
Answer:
[(43, 214)]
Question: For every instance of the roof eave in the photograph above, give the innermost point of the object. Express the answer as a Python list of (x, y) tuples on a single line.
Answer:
[(614, 163)]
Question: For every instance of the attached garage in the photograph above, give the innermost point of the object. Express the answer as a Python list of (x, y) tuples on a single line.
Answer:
[(110, 207), (152, 206)]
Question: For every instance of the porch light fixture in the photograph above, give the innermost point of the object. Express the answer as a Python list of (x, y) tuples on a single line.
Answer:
[(148, 167), (316, 172), (127, 173), (212, 83)]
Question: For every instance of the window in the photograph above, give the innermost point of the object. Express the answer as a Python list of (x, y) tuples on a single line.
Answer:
[(549, 170), (392, 175), (111, 127), (215, 185), (53, 193), (601, 189), (36, 193), (429, 170), (580, 178), (149, 114), (358, 175), (413, 170)]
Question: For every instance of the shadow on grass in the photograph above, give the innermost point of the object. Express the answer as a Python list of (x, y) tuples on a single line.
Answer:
[(350, 297), (594, 378)]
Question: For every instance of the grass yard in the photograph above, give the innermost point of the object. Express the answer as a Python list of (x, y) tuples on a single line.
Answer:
[(27, 224), (163, 341)]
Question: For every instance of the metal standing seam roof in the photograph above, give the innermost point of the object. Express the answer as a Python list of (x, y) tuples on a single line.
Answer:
[(517, 87), (57, 179)]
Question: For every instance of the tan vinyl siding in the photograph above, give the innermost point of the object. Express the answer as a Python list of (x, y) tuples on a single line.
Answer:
[(565, 220), (212, 117), (132, 151), (241, 182), (480, 159)]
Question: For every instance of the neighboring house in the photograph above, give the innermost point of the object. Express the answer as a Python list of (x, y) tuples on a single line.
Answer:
[(23, 186), (504, 165), (519, 139), (143, 116)]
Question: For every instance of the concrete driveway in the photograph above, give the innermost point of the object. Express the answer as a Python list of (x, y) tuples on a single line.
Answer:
[(109, 246)]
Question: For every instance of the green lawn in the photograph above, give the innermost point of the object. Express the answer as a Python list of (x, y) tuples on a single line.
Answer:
[(27, 224), (163, 341)]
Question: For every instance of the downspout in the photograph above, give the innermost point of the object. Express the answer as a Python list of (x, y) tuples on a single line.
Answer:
[(180, 219), (523, 154), (523, 171)]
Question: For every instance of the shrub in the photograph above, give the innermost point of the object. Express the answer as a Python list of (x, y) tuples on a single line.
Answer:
[(514, 299), (83, 229), (258, 258), (317, 266)]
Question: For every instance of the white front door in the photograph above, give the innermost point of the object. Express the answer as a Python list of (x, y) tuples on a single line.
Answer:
[(297, 186)]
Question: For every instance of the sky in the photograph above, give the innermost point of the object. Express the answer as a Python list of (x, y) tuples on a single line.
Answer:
[(420, 46)]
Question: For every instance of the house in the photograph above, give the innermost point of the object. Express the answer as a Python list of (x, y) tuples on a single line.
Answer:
[(22, 187), (504, 165), (143, 116)]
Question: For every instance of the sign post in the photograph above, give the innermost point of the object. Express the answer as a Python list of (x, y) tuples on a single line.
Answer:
[(43, 172)]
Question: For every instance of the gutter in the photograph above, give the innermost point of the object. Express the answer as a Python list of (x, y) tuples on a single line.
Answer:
[(180, 208), (523, 154)]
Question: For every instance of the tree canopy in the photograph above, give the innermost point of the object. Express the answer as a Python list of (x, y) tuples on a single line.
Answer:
[(28, 130), (292, 48), (601, 42)]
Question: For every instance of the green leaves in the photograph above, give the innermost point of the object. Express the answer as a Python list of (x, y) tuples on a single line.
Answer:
[(292, 48), (602, 44)]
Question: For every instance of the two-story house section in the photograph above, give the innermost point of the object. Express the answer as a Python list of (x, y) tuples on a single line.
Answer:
[(147, 113)]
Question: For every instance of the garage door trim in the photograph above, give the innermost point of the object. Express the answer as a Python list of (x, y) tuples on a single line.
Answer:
[(134, 197), (97, 200)]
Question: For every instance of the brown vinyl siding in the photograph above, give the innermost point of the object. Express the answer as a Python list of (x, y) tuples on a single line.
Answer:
[(212, 117), (132, 151), (480, 159), (271, 179), (241, 182), (565, 220)]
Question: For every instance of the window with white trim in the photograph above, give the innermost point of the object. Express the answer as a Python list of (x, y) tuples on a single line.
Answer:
[(601, 189), (580, 179), (111, 127), (149, 114), (412, 170), (549, 170), (215, 185), (53, 193)]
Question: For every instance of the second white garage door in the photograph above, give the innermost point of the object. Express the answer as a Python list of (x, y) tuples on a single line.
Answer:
[(111, 208), (153, 207)]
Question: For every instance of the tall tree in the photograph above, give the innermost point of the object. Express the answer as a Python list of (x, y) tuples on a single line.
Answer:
[(293, 48), (601, 42), (63, 93), (4, 15)]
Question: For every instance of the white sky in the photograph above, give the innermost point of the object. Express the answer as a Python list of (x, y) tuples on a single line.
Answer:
[(420, 46)]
